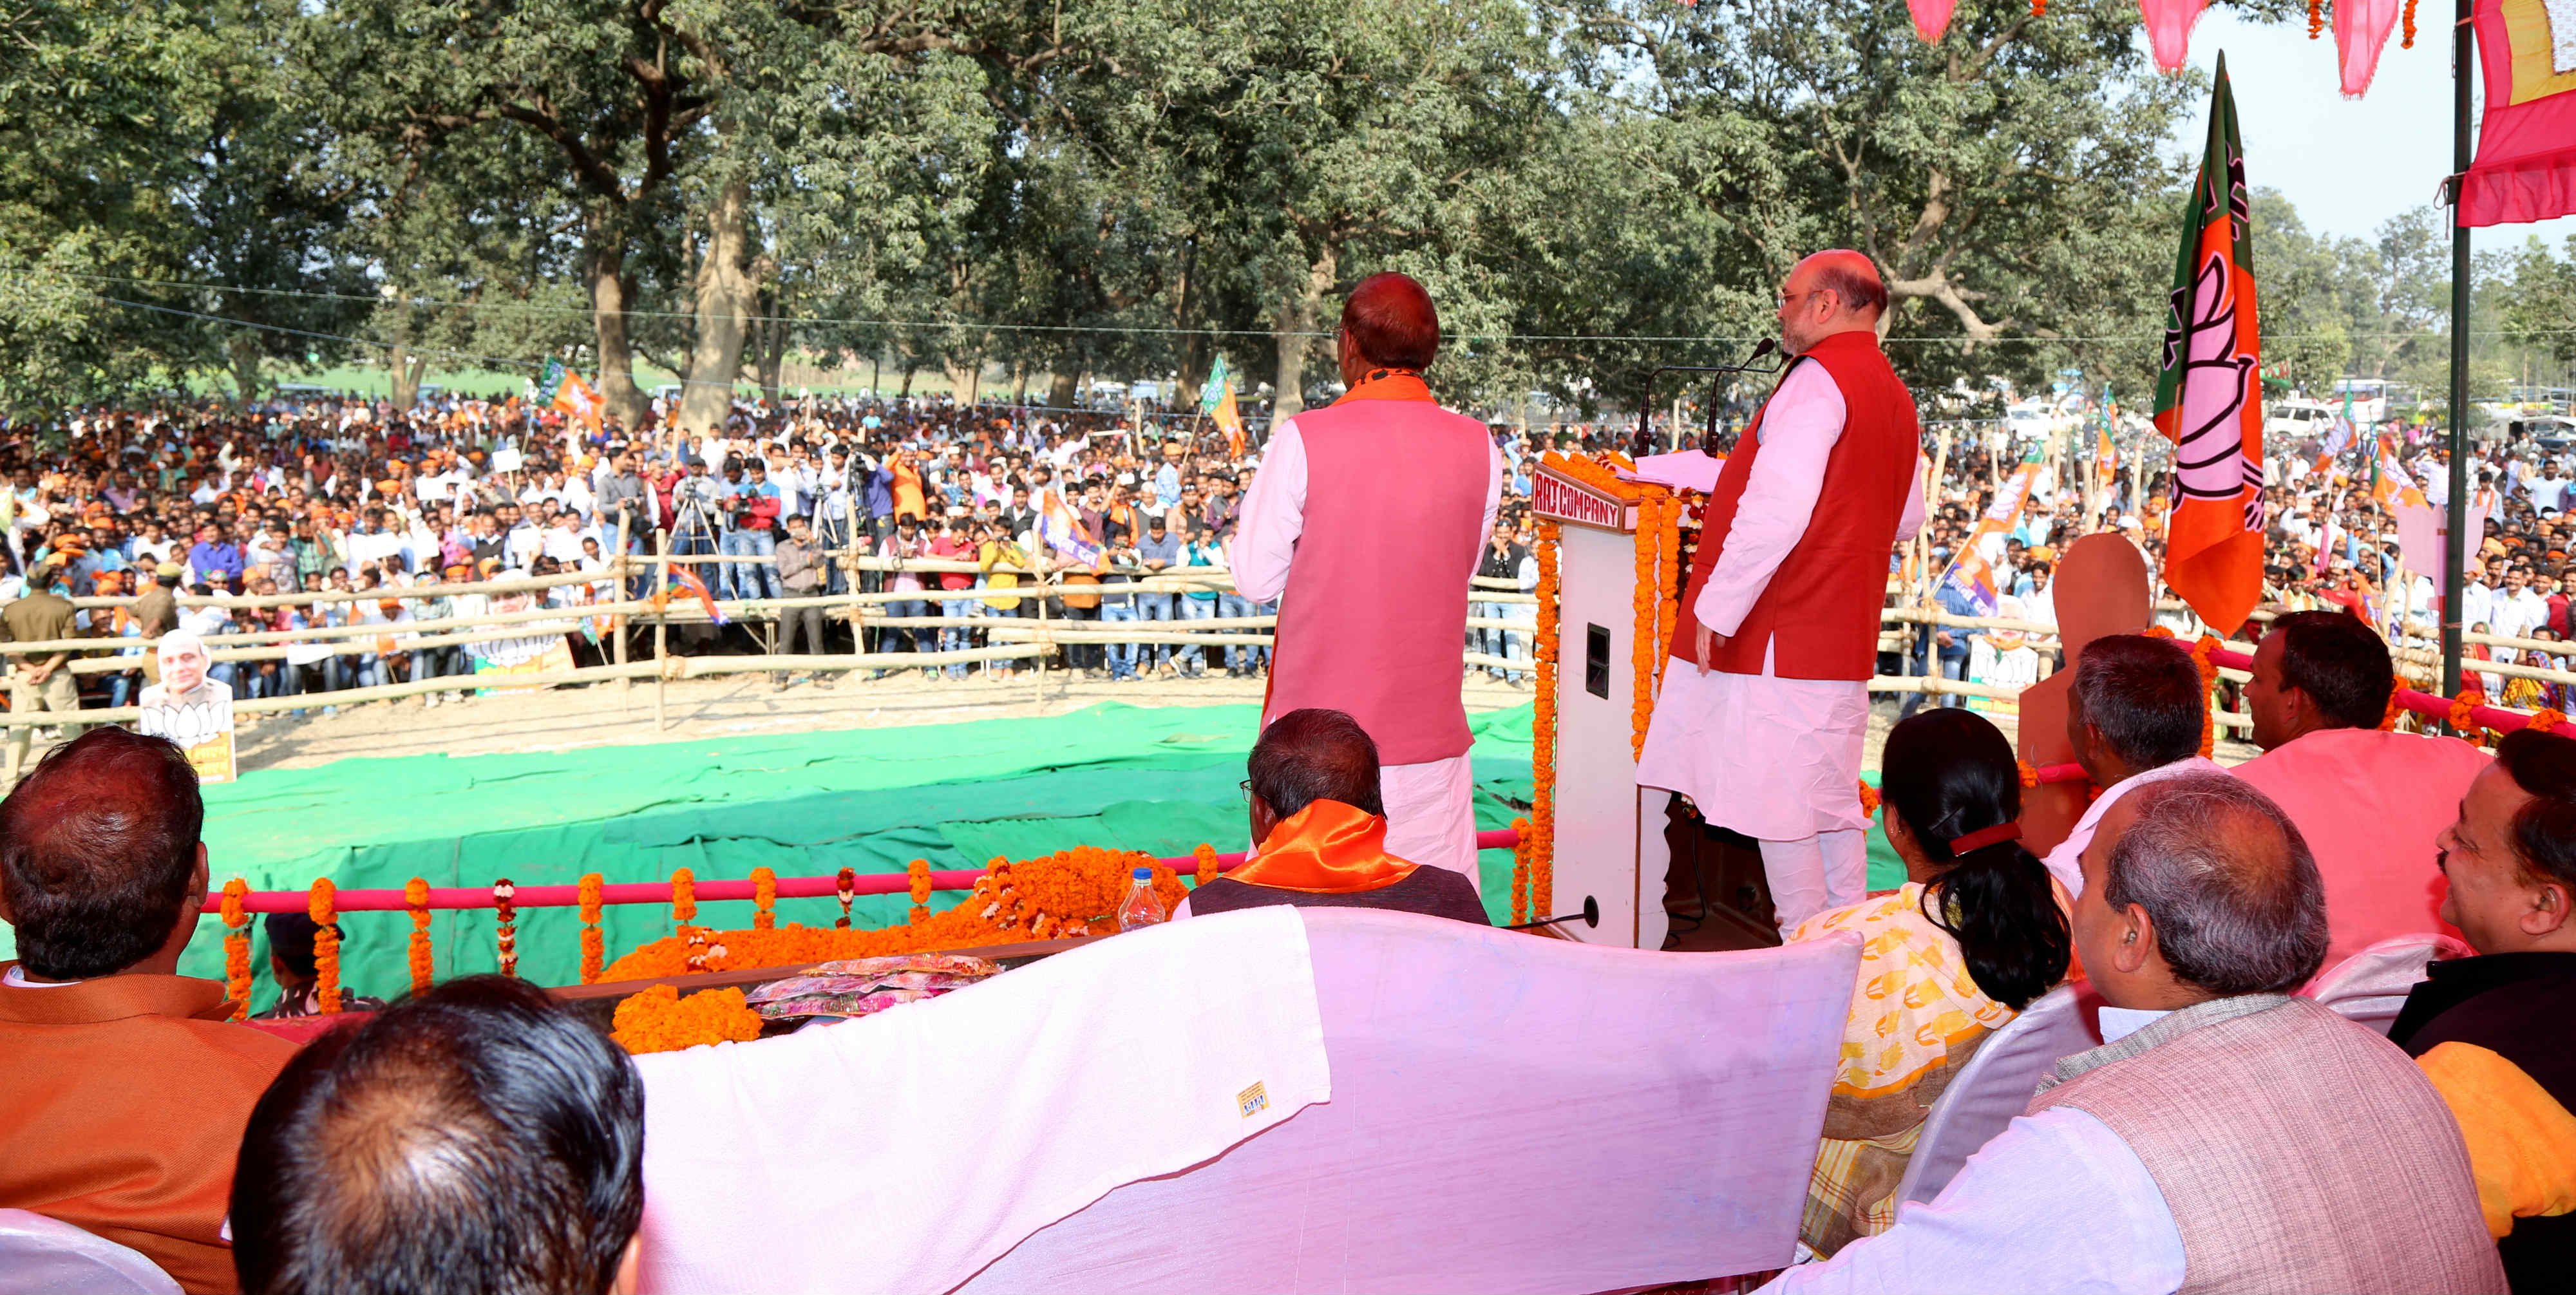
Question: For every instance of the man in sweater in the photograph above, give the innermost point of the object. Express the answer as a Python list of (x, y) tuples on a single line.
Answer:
[(123, 1100), (2369, 803), (1320, 831), (2491, 1031), (1364, 522), (2226, 1136)]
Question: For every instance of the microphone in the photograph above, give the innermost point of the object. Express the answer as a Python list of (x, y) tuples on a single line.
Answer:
[(1764, 347)]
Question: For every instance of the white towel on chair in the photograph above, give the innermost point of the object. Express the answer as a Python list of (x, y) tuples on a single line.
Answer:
[(905, 1151)]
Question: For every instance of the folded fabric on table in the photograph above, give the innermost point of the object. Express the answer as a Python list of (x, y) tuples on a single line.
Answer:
[(904, 1151)]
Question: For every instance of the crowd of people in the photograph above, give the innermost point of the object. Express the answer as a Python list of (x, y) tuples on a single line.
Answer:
[(343, 494), (2228, 1134)]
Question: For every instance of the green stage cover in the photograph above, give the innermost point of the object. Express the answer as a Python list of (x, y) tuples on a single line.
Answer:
[(1160, 780)]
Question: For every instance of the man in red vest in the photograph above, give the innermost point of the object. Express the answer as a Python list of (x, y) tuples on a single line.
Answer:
[(1365, 520), (1766, 699)]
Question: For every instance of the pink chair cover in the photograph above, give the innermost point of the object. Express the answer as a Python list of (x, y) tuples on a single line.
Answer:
[(2361, 31), (2169, 24), (1508, 1114)]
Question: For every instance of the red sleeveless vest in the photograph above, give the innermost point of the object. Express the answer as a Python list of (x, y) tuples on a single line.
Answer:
[(1374, 616), (1821, 607)]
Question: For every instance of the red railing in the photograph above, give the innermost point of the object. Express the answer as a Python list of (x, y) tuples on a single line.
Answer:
[(659, 892)]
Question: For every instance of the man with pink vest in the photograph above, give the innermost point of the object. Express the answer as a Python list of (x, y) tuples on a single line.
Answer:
[(1766, 699), (2227, 1136), (1364, 521), (2369, 802)]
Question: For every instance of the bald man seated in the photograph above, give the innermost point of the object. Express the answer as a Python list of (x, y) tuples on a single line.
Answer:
[(124, 1090), (1320, 831)]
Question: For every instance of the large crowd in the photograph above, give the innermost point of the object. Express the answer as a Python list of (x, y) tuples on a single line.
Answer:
[(325, 493)]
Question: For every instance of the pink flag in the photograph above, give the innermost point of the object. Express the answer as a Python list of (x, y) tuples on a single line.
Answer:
[(1931, 18), (2361, 31), (2169, 24)]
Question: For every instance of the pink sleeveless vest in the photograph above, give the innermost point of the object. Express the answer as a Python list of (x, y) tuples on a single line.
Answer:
[(1374, 617)]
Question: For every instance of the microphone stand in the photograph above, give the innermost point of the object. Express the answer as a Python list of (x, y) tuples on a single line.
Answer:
[(1645, 443)]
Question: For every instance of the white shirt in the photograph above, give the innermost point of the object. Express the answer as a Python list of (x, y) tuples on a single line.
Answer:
[(2066, 862), (2056, 1202)]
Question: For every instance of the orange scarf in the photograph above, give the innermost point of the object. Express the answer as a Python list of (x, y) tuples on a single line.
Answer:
[(1327, 848), (1390, 386)]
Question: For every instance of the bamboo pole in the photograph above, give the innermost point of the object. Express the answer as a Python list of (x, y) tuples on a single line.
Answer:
[(661, 625), (617, 622)]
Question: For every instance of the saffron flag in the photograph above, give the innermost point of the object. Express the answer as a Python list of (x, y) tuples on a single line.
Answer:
[(2526, 164), (684, 582), (1218, 382), (575, 397), (1061, 529), (2106, 458), (2210, 369), (1973, 576)]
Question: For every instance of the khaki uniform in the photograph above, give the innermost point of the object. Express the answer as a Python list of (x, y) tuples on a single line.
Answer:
[(158, 610), (37, 618)]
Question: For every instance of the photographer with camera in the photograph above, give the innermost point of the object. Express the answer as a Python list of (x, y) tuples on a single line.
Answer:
[(750, 520), (694, 500)]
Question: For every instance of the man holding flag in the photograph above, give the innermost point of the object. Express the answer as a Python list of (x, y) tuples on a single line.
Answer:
[(2207, 390)]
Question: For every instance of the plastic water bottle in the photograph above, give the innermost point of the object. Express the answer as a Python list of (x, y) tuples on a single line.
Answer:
[(1142, 907)]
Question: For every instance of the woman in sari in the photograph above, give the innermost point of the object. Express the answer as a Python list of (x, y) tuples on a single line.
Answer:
[(1977, 931)]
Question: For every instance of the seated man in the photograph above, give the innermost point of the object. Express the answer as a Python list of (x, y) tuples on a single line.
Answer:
[(124, 1090), (475, 1139), (2491, 1030), (1320, 831), (2227, 1137), (2368, 802), (2134, 717)]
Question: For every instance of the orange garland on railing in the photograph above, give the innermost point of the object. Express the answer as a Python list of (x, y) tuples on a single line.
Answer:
[(1868, 801), (764, 899), (2463, 715), (2545, 720), (1542, 855), (237, 948), (2029, 774), (1520, 871), (1208, 870), (849, 878), (684, 897), (326, 946), (419, 955), (506, 925), (2388, 721), (920, 872), (594, 945)]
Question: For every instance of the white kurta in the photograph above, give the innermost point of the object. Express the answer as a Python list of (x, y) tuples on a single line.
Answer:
[(1431, 806), (1776, 759)]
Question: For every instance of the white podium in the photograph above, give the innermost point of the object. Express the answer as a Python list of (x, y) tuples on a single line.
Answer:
[(1609, 833)]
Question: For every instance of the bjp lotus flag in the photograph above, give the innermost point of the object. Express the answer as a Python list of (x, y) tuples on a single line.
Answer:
[(2106, 458), (2206, 390), (576, 398)]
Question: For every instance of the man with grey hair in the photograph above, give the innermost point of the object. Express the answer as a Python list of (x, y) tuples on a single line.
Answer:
[(2134, 717), (2226, 1136)]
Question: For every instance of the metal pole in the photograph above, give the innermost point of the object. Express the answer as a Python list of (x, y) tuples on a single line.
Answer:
[(2455, 544)]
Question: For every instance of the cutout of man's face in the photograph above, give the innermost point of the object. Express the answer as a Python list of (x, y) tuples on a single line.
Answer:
[(183, 667)]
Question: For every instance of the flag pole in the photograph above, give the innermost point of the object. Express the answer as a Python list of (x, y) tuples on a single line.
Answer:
[(2455, 544)]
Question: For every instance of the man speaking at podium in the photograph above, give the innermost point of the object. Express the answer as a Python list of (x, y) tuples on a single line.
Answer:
[(1766, 697), (1368, 514)]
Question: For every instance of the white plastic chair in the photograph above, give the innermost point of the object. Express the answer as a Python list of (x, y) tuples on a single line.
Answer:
[(1996, 1085), (46, 1256), (2370, 987)]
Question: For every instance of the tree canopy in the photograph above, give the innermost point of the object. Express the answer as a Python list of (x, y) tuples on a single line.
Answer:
[(229, 191)]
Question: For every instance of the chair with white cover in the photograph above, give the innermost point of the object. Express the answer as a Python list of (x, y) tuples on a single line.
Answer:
[(46, 1256), (1508, 1113), (1996, 1085), (2370, 987)]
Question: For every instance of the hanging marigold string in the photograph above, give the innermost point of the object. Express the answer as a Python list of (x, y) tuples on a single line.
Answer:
[(1868, 801), (1643, 640), (594, 944), (1542, 836), (1208, 870), (684, 897), (2029, 774), (2409, 41), (326, 946), (2463, 714), (2208, 667), (237, 948), (764, 899), (919, 870), (2388, 721), (849, 880), (2316, 18), (506, 924), (1521, 871), (416, 902)]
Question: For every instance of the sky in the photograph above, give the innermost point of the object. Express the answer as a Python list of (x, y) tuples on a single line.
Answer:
[(2345, 164)]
